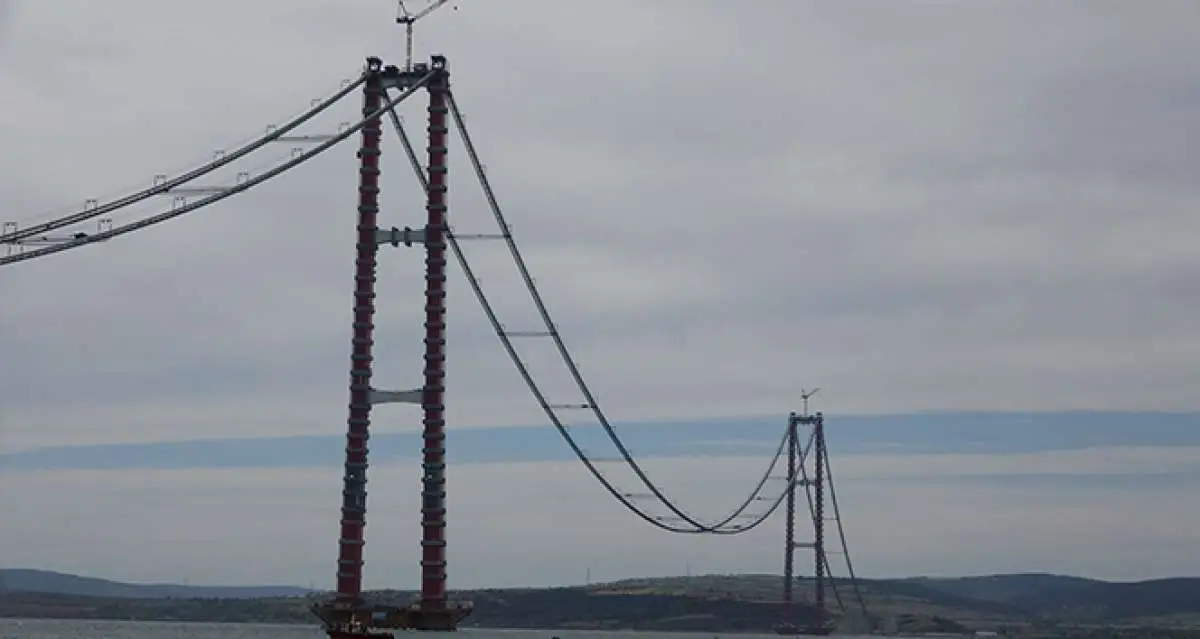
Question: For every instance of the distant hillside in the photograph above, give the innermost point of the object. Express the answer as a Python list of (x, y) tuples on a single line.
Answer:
[(59, 583), (1075, 598), (1004, 588), (979, 601), (711, 603)]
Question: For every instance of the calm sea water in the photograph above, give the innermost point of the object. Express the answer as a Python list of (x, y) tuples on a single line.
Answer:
[(64, 629)]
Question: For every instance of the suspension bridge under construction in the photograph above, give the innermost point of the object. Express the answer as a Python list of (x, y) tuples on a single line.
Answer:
[(347, 613)]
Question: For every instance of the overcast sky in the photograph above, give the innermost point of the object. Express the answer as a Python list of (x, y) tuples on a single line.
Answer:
[(917, 206)]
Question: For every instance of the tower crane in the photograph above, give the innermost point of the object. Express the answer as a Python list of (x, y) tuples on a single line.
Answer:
[(407, 18), (805, 394)]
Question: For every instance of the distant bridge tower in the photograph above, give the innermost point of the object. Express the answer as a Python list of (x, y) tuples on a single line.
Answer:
[(800, 450)]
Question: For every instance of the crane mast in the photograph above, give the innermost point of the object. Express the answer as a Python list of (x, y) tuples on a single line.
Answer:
[(407, 18)]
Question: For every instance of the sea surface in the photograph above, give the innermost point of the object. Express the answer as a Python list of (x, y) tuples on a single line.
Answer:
[(71, 629)]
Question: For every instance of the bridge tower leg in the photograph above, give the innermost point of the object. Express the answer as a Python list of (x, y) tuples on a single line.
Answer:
[(789, 536), (433, 612), (347, 617), (818, 515)]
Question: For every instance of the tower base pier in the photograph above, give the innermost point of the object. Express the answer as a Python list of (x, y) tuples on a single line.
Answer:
[(441, 619), (362, 621)]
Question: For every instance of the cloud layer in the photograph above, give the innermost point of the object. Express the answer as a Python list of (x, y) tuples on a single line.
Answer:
[(927, 206), (941, 218)]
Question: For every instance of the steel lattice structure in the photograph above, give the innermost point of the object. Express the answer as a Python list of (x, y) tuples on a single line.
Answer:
[(383, 88)]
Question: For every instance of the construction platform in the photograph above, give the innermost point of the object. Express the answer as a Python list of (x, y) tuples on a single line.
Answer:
[(346, 621)]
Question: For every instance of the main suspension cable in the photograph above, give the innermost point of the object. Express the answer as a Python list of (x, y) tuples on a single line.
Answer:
[(721, 526), (565, 354), (273, 134), (243, 186), (837, 514)]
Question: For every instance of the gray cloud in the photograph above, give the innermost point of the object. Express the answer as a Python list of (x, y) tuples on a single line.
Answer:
[(914, 206)]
